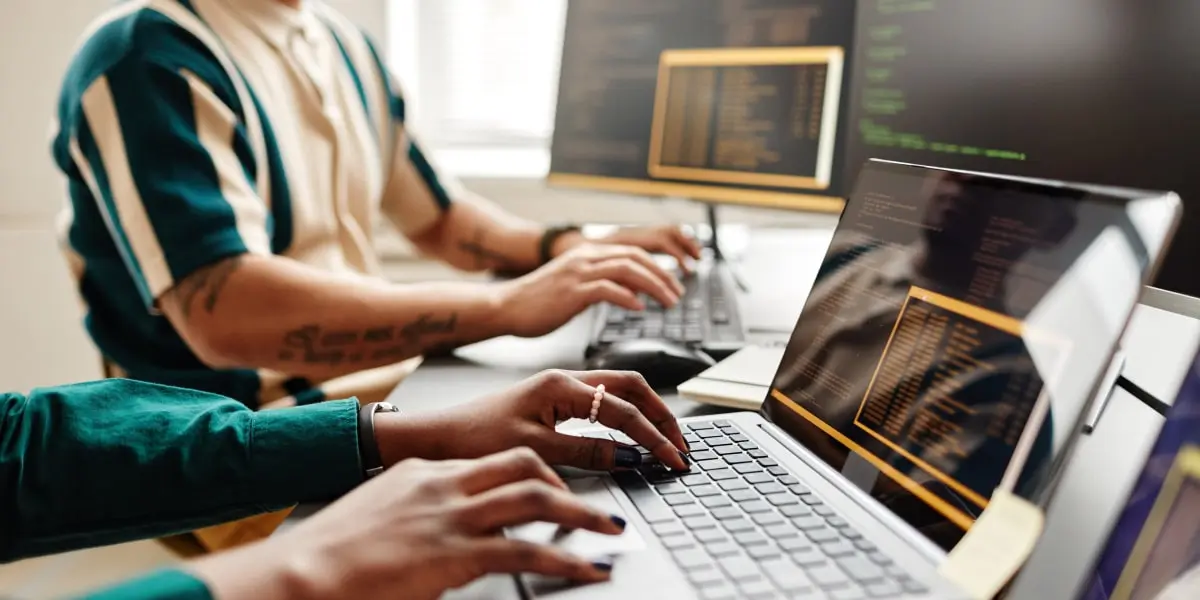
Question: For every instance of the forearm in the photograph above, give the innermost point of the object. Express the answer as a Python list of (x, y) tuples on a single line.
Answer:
[(275, 313), (476, 235), (113, 461)]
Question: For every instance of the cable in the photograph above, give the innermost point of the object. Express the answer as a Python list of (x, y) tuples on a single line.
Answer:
[(1145, 397)]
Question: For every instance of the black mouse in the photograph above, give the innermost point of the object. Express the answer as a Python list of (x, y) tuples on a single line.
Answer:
[(664, 364)]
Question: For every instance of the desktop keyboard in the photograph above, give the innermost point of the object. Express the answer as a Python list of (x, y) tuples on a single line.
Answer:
[(740, 526), (706, 316)]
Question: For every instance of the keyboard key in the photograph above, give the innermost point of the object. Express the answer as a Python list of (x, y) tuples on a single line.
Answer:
[(709, 536), (722, 549), (700, 522), (822, 535), (668, 528), (706, 578), (703, 455), (727, 450), (767, 462), (809, 522), (797, 544), (726, 512), (747, 468), (755, 506), (838, 548), (739, 438), (690, 437), (824, 510), (739, 568), (722, 474), (670, 487), (769, 488), (837, 522), (714, 443), (883, 589), (722, 592), (777, 471), (828, 576), (795, 510), (879, 558), (653, 509), (678, 499), (715, 501), (787, 576), (692, 559), (723, 424), (701, 491), (757, 478), (768, 518), (710, 465), (744, 495), (781, 499), (691, 480), (896, 572), (733, 484), (851, 534), (738, 525), (689, 510), (700, 426), (810, 499), (748, 446), (750, 538), (847, 593), (677, 542), (738, 459), (706, 434), (860, 569), (756, 454), (913, 586), (809, 558), (789, 480), (781, 531), (864, 545), (756, 589), (621, 438)]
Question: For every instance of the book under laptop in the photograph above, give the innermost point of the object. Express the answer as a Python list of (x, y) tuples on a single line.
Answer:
[(1153, 550), (952, 341)]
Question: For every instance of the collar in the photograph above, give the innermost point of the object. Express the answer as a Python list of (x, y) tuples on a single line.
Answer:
[(273, 20)]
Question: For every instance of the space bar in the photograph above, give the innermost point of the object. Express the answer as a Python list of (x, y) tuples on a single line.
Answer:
[(647, 502)]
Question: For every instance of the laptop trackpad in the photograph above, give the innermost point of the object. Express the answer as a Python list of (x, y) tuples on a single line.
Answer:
[(586, 544)]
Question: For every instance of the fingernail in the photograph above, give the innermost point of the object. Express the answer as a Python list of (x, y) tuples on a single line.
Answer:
[(602, 566), (687, 460), (618, 521), (627, 458)]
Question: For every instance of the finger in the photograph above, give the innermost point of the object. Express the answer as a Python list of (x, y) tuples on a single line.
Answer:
[(625, 417), (643, 258), (632, 387), (530, 501), (677, 252), (603, 290), (591, 454), (504, 468), (688, 242), (637, 278), (499, 555)]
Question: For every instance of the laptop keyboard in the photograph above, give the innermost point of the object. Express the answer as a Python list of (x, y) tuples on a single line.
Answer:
[(740, 526)]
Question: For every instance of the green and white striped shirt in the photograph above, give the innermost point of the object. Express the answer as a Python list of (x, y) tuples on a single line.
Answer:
[(190, 131)]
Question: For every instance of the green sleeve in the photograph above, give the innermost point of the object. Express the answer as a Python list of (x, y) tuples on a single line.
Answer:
[(162, 585), (107, 462)]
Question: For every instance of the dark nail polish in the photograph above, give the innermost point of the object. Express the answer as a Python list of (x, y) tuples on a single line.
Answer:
[(618, 521), (687, 460), (602, 566), (627, 458)]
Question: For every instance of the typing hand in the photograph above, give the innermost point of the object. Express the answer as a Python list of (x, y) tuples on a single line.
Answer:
[(544, 300), (666, 239), (526, 415), (418, 530)]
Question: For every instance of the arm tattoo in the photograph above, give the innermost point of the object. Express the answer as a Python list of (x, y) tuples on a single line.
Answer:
[(485, 258), (207, 284), (309, 344)]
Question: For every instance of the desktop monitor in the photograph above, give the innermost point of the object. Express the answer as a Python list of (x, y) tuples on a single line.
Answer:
[(1102, 91), (729, 101)]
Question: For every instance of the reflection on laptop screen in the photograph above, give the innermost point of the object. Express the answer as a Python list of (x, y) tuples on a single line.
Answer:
[(954, 334), (1153, 552)]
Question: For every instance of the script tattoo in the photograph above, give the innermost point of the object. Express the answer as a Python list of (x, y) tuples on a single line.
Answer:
[(309, 344), (485, 258), (206, 284)]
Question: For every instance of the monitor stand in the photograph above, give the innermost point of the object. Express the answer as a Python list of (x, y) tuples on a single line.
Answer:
[(714, 245), (1113, 379)]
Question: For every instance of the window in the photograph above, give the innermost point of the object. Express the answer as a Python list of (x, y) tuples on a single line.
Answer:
[(481, 80)]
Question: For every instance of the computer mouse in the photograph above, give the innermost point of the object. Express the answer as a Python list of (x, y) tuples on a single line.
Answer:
[(664, 364)]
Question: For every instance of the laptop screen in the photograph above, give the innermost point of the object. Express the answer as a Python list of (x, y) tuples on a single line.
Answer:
[(955, 332), (1153, 552)]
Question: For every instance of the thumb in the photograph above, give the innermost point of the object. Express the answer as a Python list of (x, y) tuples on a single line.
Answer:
[(592, 454)]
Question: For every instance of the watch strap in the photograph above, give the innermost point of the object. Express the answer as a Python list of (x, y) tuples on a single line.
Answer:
[(368, 445), (550, 236)]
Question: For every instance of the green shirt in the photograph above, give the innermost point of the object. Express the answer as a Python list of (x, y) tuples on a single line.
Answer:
[(113, 461)]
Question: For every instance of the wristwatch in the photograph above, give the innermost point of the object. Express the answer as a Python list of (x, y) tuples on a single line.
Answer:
[(368, 447), (550, 236)]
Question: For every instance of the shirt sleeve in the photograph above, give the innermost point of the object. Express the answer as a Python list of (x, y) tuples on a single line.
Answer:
[(160, 585), (117, 460), (415, 193), (161, 144)]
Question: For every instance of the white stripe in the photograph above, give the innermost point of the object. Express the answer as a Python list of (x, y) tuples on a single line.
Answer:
[(101, 115), (193, 25), (215, 125)]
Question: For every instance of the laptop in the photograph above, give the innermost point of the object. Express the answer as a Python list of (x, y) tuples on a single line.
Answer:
[(1153, 550), (951, 343)]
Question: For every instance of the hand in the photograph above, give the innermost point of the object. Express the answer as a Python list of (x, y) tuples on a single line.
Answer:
[(416, 531), (526, 415), (544, 300), (665, 239)]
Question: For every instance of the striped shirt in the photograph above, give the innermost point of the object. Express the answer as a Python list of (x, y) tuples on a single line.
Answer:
[(191, 131)]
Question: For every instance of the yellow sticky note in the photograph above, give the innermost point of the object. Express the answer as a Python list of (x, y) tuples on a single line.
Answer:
[(995, 547)]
